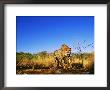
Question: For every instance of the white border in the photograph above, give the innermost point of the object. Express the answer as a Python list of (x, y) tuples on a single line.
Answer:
[(96, 80)]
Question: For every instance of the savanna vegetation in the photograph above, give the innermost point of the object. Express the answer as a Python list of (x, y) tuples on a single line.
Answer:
[(44, 63)]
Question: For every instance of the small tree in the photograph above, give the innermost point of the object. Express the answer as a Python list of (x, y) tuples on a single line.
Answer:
[(80, 49)]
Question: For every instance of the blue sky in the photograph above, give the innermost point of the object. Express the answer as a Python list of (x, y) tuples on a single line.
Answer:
[(47, 33)]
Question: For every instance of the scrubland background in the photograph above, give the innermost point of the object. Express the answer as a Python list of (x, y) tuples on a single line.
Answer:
[(44, 63)]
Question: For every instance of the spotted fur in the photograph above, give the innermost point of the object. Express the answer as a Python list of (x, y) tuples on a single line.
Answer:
[(62, 55)]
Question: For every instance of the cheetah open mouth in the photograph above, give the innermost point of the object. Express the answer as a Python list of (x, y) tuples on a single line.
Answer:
[(68, 55)]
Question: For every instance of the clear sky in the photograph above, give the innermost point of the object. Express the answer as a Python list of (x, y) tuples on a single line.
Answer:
[(48, 33)]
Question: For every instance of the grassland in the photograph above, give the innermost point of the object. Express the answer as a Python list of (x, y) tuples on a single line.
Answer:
[(44, 63)]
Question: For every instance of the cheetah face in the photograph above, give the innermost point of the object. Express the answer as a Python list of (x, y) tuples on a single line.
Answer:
[(68, 52)]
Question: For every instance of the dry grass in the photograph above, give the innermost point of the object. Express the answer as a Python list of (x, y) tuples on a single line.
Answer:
[(45, 64)]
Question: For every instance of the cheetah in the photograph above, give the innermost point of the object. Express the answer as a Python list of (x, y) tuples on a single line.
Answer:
[(62, 56)]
